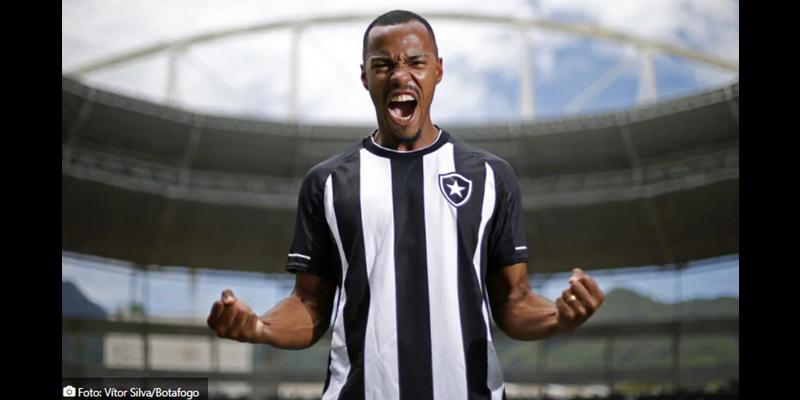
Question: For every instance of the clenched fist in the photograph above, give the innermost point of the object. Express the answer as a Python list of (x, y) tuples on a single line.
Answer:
[(233, 319), (578, 302)]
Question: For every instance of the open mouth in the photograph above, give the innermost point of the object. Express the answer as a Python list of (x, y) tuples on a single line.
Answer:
[(402, 108)]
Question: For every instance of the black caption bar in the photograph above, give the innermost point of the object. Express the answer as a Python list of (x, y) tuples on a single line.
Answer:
[(135, 388)]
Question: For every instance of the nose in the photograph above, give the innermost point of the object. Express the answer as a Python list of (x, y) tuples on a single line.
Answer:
[(400, 75)]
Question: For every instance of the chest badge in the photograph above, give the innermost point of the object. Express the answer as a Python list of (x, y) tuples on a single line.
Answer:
[(455, 188)]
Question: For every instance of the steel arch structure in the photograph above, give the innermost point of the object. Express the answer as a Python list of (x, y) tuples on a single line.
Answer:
[(647, 49)]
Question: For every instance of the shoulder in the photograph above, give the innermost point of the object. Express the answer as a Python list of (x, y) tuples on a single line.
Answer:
[(500, 167), (319, 173)]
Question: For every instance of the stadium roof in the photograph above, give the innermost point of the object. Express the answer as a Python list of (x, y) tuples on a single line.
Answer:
[(156, 185)]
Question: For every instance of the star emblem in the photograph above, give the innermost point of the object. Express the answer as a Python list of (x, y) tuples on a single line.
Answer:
[(455, 189), (458, 191)]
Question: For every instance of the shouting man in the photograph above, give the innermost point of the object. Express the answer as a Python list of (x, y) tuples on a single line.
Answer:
[(423, 236)]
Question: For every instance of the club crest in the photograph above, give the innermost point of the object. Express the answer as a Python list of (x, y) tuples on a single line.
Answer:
[(455, 188)]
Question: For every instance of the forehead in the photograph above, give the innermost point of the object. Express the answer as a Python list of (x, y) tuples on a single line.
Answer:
[(410, 35)]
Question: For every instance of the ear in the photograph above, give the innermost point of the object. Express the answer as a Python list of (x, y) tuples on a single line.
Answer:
[(364, 77), (439, 70)]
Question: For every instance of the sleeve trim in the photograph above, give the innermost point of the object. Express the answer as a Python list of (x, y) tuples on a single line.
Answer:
[(300, 255)]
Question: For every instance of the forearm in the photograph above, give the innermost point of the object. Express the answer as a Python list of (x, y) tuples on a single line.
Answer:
[(294, 323), (527, 316), (524, 315)]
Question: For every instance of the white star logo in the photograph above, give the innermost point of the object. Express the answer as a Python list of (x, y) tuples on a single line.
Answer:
[(455, 189), (459, 185)]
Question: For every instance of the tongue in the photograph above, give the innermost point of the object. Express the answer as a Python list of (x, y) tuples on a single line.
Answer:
[(402, 108)]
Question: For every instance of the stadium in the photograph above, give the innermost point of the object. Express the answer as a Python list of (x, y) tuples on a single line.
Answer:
[(167, 201)]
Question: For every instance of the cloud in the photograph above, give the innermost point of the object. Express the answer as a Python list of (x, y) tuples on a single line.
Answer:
[(250, 74), (709, 26)]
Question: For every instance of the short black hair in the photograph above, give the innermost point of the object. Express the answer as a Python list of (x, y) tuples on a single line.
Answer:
[(396, 17)]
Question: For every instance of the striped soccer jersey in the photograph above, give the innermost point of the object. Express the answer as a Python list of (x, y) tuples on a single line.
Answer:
[(408, 237)]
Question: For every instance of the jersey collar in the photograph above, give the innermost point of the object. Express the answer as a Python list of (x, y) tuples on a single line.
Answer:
[(375, 148)]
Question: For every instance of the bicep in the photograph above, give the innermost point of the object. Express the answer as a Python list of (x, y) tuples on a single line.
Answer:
[(315, 292)]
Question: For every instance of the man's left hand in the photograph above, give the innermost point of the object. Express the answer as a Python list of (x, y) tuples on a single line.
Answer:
[(578, 302)]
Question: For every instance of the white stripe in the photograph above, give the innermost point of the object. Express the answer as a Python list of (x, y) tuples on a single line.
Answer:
[(381, 377), (340, 361), (486, 212), (494, 379), (520, 248), (441, 235), (299, 255)]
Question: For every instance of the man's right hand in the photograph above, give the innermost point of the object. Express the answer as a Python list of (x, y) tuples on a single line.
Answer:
[(233, 319)]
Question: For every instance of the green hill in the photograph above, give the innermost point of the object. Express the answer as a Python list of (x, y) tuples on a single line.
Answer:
[(628, 305)]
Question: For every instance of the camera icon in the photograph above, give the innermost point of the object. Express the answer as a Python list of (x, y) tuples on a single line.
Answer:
[(69, 391)]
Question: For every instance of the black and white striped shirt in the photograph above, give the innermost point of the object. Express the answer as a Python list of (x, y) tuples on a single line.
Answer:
[(408, 237)]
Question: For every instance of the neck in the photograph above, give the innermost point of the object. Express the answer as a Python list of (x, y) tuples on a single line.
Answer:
[(424, 138)]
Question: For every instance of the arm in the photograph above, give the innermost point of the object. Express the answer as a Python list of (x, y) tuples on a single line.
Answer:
[(297, 322), (525, 315)]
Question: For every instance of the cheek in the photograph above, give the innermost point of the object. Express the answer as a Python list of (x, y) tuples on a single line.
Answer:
[(376, 93), (425, 78), (428, 83)]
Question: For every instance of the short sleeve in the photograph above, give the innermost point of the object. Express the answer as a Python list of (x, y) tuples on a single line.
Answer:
[(312, 246), (507, 245)]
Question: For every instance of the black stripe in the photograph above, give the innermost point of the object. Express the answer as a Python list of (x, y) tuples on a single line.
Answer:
[(411, 281), (330, 352), (347, 206), (335, 316), (470, 295)]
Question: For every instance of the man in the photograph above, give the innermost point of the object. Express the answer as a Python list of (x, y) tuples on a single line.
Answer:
[(423, 236)]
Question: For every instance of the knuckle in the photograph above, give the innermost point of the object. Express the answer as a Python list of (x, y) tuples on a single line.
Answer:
[(569, 315)]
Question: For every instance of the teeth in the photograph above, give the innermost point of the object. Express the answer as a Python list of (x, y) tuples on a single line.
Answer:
[(402, 97)]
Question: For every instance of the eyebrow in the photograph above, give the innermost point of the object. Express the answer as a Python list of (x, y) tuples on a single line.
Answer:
[(385, 58)]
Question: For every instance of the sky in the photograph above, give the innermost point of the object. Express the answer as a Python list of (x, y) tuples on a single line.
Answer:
[(248, 75)]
